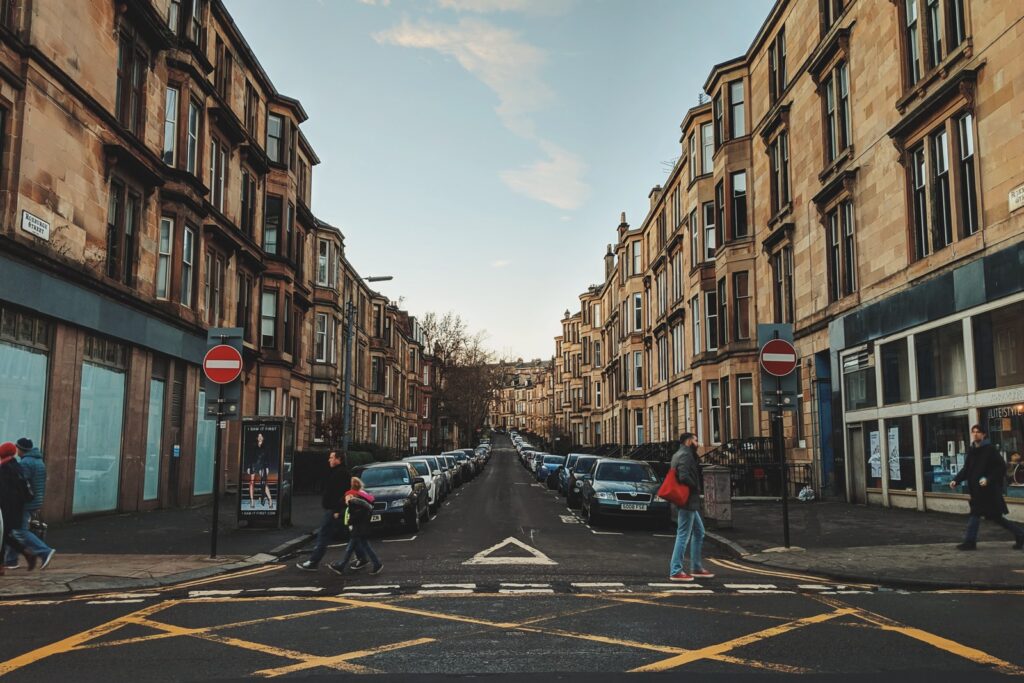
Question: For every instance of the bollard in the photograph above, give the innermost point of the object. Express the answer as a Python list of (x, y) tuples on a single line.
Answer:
[(718, 496)]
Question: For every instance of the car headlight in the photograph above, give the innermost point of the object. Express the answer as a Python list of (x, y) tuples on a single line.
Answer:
[(604, 495), (398, 503), (659, 499)]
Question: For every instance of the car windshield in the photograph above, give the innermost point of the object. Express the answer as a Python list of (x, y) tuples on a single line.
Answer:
[(421, 467), (633, 472), (584, 465), (554, 459), (571, 460), (461, 457), (385, 476), (434, 465)]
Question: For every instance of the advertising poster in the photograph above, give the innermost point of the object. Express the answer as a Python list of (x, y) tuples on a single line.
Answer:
[(260, 476), (876, 455), (894, 454)]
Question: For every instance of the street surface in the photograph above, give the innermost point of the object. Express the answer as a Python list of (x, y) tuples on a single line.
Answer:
[(586, 600)]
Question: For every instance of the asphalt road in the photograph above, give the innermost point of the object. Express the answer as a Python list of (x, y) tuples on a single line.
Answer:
[(595, 601)]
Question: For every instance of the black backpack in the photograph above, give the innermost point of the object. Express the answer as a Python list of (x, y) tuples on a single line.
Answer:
[(22, 486)]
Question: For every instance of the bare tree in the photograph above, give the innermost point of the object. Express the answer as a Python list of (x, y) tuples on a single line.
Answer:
[(468, 373)]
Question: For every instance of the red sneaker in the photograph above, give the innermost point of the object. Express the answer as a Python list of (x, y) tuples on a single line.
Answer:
[(681, 576), (702, 574)]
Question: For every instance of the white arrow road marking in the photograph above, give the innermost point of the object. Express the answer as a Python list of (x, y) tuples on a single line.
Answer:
[(536, 556)]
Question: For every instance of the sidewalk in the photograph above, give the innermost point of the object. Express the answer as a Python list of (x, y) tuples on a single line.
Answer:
[(148, 549), (903, 548)]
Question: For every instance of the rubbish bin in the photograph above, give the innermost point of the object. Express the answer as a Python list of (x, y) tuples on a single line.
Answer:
[(718, 496)]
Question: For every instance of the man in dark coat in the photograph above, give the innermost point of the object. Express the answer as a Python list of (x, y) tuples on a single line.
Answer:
[(14, 488), (689, 525), (333, 503), (983, 472)]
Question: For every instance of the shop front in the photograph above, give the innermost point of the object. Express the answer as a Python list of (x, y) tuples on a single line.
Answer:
[(916, 371)]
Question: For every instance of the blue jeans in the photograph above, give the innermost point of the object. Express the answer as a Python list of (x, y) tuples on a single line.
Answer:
[(974, 521), (359, 546), (689, 531), (32, 542)]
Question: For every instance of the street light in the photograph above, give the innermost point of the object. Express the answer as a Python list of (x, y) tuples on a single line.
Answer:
[(350, 333)]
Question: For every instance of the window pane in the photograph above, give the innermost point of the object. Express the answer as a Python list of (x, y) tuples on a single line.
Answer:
[(1006, 431), (944, 440), (154, 437), (206, 435), (22, 390), (98, 458), (999, 347), (895, 372), (941, 367), (859, 381)]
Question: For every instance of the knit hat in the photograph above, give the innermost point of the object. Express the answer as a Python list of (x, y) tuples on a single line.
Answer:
[(7, 450), (24, 443)]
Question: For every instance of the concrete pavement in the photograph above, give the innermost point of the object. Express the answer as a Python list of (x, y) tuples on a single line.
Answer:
[(900, 548)]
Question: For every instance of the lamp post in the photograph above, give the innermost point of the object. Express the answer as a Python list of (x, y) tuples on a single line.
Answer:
[(350, 333)]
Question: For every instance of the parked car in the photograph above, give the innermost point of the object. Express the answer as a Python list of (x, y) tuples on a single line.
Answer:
[(580, 472), (563, 474), (455, 468), (444, 478), (547, 469), (401, 498), (430, 478), (465, 466), (622, 488)]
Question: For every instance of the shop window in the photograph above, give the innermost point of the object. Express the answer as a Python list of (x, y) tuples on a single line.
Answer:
[(900, 456), (873, 460), (98, 456), (23, 371), (999, 347), (154, 440), (1006, 432), (206, 436), (944, 440), (859, 382), (941, 366), (895, 373)]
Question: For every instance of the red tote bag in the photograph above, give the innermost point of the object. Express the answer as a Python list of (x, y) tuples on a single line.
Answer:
[(673, 490)]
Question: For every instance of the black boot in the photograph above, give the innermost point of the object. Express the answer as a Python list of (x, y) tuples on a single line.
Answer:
[(967, 545), (1019, 544)]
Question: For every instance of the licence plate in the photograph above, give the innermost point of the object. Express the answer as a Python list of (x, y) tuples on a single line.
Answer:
[(376, 518), (634, 506)]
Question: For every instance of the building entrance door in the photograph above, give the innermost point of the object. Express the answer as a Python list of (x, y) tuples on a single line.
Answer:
[(855, 448)]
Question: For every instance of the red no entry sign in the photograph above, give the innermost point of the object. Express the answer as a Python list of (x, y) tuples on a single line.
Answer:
[(778, 358), (222, 364)]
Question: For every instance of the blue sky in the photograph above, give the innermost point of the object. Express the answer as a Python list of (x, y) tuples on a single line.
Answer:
[(480, 151)]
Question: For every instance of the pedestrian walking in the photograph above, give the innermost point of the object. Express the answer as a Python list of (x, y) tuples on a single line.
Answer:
[(333, 503), (15, 491), (689, 525), (983, 471), (359, 511), (34, 469)]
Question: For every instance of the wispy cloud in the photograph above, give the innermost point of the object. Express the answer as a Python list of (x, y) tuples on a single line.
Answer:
[(548, 7), (382, 3), (511, 67), (501, 263), (555, 180)]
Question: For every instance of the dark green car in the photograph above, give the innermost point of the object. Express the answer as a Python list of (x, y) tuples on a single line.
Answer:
[(623, 488)]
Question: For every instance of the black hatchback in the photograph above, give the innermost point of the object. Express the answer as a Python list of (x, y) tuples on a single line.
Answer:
[(400, 495)]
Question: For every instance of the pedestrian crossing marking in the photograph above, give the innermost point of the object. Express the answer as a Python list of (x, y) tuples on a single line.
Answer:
[(535, 556)]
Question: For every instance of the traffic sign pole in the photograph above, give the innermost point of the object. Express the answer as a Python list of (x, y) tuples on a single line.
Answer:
[(222, 366), (778, 359)]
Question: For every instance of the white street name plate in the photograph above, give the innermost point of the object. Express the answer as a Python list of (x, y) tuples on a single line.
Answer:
[(35, 225), (1016, 198)]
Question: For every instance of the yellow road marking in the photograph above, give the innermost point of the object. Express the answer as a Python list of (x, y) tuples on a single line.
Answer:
[(387, 607), (223, 577), (768, 666), (668, 649), (214, 629), (728, 564), (304, 661), (729, 645), (639, 599), (339, 661), (71, 642)]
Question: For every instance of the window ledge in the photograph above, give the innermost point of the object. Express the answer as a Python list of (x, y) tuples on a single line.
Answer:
[(845, 156), (939, 72), (781, 215)]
